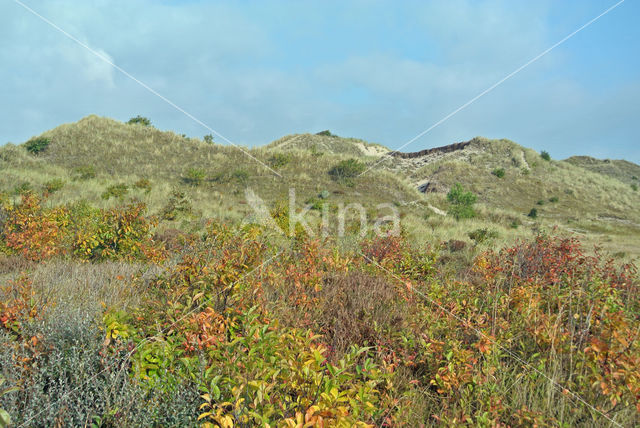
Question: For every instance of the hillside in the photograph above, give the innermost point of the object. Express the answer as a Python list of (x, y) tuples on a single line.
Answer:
[(594, 205), (625, 171), (140, 287)]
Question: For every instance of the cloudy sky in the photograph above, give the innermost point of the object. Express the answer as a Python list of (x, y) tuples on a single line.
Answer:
[(384, 71)]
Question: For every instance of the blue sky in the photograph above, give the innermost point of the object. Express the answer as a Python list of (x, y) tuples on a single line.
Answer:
[(383, 71)]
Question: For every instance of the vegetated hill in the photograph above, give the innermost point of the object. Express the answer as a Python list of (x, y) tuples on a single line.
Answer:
[(333, 144), (117, 153), (561, 193), (625, 171), (95, 154)]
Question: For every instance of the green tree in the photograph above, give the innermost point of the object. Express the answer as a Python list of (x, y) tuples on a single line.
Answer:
[(461, 202), (545, 155)]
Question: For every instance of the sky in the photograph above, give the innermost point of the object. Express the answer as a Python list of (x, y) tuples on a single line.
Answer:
[(383, 71)]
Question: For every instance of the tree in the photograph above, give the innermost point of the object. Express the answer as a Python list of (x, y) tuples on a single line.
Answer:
[(208, 139), (139, 120), (545, 155), (461, 202)]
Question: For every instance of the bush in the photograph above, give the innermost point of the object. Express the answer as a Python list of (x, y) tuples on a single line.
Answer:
[(540, 202), (347, 170), (634, 187), (139, 120), (278, 160), (194, 176), (533, 213), (461, 202), (85, 172), (177, 204), (37, 145), (545, 155), (22, 188), (481, 235), (118, 191), (326, 133), (240, 175), (208, 139), (143, 184), (498, 172), (553, 199), (54, 185)]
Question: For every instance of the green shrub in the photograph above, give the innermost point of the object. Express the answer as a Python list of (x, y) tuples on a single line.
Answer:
[(347, 170), (324, 194), (240, 175), (139, 120), (54, 185), (278, 160), (194, 176), (208, 139), (326, 133), (22, 188), (461, 202), (498, 172), (177, 204), (545, 155), (85, 172), (533, 213), (553, 199), (483, 234), (525, 171), (143, 184), (540, 202), (37, 145), (118, 191), (634, 186), (634, 177)]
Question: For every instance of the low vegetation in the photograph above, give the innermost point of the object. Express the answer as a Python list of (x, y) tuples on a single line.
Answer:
[(165, 304), (227, 327), (461, 202)]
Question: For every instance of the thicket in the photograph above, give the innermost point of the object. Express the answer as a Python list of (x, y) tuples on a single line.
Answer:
[(233, 329)]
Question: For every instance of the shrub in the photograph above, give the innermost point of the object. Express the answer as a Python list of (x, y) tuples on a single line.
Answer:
[(85, 172), (118, 191), (324, 194), (533, 213), (54, 185), (278, 160), (143, 184), (37, 145), (553, 199), (545, 155), (139, 120), (347, 170), (498, 172), (540, 202), (22, 188), (634, 187), (177, 204), (240, 175), (461, 202), (634, 177), (194, 176), (208, 139), (525, 171), (483, 234), (326, 133)]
